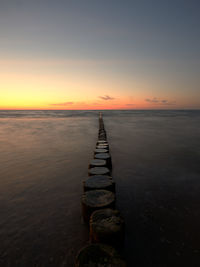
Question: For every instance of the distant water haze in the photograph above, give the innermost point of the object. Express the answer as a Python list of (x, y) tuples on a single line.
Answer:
[(44, 157)]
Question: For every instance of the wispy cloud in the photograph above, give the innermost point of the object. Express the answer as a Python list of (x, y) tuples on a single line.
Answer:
[(153, 100), (62, 104), (156, 100), (106, 97), (129, 105)]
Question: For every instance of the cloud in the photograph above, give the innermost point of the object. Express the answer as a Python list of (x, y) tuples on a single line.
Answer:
[(130, 104), (155, 100), (106, 97), (62, 104)]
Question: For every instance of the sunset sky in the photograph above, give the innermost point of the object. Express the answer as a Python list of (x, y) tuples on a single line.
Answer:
[(99, 54)]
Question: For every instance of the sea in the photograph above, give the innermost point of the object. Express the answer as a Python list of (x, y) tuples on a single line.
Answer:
[(44, 157)]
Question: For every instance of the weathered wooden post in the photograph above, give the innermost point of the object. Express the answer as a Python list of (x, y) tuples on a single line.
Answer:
[(98, 209), (101, 255), (96, 199)]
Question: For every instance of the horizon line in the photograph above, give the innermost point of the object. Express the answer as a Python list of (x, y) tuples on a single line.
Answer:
[(95, 109)]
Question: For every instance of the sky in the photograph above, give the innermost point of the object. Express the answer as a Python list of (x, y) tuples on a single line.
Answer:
[(99, 54)]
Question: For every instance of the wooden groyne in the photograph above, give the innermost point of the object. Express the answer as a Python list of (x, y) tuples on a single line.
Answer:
[(106, 226)]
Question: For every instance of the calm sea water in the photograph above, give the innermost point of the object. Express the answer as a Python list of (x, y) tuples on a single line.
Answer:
[(44, 157)]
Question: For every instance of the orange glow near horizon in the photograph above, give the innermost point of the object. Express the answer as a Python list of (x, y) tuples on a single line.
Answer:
[(52, 92), (27, 85)]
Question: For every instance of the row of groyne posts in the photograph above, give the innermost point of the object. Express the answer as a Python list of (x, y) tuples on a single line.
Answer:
[(106, 226)]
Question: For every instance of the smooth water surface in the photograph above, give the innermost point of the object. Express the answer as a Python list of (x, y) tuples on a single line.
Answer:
[(44, 157)]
